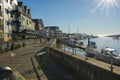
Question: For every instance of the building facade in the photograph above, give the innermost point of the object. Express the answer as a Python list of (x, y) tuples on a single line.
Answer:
[(23, 24), (6, 19), (53, 31), (1, 20), (39, 27)]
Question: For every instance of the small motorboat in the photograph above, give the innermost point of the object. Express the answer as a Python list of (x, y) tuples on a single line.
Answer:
[(109, 54)]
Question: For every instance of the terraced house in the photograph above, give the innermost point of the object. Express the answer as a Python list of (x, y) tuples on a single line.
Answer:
[(1, 21), (24, 26), (6, 19)]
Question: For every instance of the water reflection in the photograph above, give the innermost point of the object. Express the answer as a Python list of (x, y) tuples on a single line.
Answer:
[(75, 51)]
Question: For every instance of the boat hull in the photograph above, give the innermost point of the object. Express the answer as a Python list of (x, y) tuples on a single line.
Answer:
[(91, 52), (108, 59)]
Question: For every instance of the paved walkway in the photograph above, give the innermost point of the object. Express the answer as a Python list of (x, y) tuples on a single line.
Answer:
[(26, 61), (22, 60)]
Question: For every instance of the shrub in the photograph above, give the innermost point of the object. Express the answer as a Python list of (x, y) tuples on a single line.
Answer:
[(12, 47), (16, 38), (24, 44)]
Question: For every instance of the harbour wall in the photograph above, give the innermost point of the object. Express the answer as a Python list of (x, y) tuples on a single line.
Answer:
[(84, 68)]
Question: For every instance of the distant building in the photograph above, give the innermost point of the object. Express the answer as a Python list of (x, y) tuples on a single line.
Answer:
[(53, 31), (39, 25)]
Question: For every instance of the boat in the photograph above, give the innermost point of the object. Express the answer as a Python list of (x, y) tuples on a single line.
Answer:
[(109, 54), (81, 43), (91, 49), (72, 43)]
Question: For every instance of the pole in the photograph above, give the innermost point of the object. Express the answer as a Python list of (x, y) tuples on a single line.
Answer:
[(64, 44), (111, 65)]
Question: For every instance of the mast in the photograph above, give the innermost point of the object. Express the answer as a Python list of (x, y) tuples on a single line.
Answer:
[(69, 31), (77, 32), (69, 28)]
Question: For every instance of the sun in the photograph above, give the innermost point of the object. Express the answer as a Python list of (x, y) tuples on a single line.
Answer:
[(109, 0), (110, 3), (105, 4)]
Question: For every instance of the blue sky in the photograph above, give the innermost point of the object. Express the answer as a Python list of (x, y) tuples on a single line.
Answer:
[(90, 16)]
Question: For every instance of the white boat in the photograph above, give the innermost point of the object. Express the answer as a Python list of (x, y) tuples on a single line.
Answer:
[(109, 54)]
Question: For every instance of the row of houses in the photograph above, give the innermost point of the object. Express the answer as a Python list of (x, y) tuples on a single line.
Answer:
[(16, 20)]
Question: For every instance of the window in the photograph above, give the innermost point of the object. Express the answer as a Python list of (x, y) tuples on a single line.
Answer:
[(11, 2), (6, 0), (7, 23), (0, 7), (6, 11), (27, 22), (0, 11)]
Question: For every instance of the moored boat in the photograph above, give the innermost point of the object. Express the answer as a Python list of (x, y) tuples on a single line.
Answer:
[(109, 54), (91, 49)]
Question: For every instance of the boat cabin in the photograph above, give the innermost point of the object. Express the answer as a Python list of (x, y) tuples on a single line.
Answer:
[(110, 52)]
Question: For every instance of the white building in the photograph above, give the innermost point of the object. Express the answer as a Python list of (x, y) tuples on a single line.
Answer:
[(6, 7)]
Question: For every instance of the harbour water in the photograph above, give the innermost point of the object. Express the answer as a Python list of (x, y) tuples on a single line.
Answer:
[(101, 42)]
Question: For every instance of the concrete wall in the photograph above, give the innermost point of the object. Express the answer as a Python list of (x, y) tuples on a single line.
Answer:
[(82, 68)]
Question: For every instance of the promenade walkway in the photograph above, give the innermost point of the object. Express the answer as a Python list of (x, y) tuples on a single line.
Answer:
[(23, 60)]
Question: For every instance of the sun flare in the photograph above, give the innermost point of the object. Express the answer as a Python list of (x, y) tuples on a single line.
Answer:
[(105, 4), (110, 2)]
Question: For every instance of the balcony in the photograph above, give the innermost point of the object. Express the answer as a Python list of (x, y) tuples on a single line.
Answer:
[(17, 19), (20, 10)]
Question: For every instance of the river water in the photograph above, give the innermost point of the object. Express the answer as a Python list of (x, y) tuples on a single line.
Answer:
[(101, 42)]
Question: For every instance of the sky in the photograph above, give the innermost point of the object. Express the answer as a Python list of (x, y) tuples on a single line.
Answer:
[(96, 17)]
